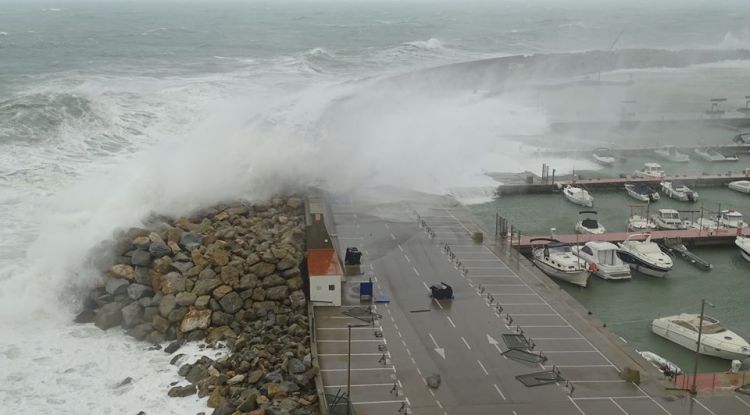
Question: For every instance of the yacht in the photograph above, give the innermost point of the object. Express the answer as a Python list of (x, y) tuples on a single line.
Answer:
[(710, 154), (578, 195), (642, 191), (650, 170), (638, 223), (742, 186), (715, 340), (743, 242), (645, 256), (679, 191), (603, 156), (589, 223), (556, 259), (669, 153), (730, 218), (602, 260), (668, 219)]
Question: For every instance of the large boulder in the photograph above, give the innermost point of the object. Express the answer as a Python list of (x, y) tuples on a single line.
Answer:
[(167, 304), (132, 314), (294, 202), (136, 291), (195, 319), (182, 391), (159, 249), (140, 258), (185, 298), (108, 316), (286, 263), (231, 303), (172, 283), (122, 271), (190, 240), (116, 286), (261, 269), (205, 286), (277, 293), (273, 280)]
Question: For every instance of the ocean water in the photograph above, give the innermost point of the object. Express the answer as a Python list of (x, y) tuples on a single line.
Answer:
[(113, 110)]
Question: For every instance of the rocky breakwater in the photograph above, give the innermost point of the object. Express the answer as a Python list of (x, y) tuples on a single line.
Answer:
[(230, 275)]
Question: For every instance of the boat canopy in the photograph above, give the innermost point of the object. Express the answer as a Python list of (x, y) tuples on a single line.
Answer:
[(590, 223)]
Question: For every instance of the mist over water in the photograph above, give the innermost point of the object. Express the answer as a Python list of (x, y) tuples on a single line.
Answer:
[(111, 113)]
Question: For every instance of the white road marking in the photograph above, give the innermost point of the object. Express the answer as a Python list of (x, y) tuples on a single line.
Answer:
[(451, 321), (375, 402), (619, 407), (576, 405), (359, 385), (393, 237), (742, 400), (466, 343), (391, 368), (431, 392), (438, 303), (416, 272), (407, 259), (439, 404), (704, 406), (400, 247), (499, 391), (483, 368)]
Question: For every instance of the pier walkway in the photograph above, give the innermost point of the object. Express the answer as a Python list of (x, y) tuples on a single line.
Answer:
[(690, 237), (497, 292)]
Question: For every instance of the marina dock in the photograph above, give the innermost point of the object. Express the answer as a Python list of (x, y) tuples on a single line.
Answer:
[(617, 183), (690, 237)]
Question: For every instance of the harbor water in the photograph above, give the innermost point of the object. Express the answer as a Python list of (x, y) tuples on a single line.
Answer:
[(628, 307)]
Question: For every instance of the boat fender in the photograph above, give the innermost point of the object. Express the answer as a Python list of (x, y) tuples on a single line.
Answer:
[(593, 267)]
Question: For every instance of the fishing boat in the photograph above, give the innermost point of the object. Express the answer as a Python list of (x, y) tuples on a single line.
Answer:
[(715, 339), (602, 260), (665, 366), (642, 191), (679, 191), (556, 259), (668, 219), (603, 156), (669, 153), (743, 242), (650, 170), (742, 186), (590, 223), (710, 154), (645, 256), (578, 195)]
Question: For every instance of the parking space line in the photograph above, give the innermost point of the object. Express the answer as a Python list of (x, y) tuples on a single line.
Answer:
[(376, 402), (466, 343), (704, 406), (652, 399), (483, 368), (600, 398), (393, 237), (450, 320), (499, 391), (619, 407), (577, 365), (353, 341), (363, 385), (742, 400), (570, 351), (416, 272), (347, 354), (576, 405)]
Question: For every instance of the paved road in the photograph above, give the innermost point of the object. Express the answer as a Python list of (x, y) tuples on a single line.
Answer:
[(461, 339)]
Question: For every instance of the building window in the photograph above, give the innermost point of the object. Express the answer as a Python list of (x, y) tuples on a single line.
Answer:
[(331, 287)]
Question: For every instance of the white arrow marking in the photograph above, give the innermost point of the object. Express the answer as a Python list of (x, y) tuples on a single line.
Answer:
[(439, 350)]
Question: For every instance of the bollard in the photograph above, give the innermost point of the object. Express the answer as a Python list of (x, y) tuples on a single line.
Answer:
[(394, 389), (383, 360)]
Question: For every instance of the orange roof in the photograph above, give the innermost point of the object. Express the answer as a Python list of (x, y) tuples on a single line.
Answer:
[(323, 262)]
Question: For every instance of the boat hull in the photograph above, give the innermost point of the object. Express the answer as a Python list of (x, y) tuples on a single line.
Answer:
[(579, 278), (662, 329), (744, 248), (642, 266), (739, 188)]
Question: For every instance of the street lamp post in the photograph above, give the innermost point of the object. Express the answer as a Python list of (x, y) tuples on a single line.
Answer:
[(694, 387), (349, 366)]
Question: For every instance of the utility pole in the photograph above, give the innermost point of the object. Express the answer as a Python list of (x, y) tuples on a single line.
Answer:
[(694, 387)]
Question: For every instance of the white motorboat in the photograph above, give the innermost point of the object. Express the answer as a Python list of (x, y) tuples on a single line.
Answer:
[(710, 154), (578, 195), (665, 366), (668, 219), (589, 223), (679, 191), (603, 156), (642, 191), (715, 340), (651, 170), (742, 186), (730, 218), (669, 153), (743, 242), (645, 256), (638, 223), (556, 259), (602, 260)]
